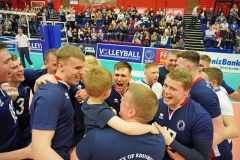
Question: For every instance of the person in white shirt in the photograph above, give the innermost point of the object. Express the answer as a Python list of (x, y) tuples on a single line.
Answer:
[(194, 16), (209, 36), (215, 77), (120, 17), (116, 10), (23, 46), (151, 73), (224, 25)]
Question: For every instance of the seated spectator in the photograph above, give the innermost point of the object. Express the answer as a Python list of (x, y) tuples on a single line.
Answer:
[(203, 15), (134, 12), (145, 19), (99, 16), (228, 40), (237, 38), (80, 35), (118, 31), (146, 39), (120, 17), (151, 29), (8, 23), (216, 26), (218, 38), (207, 26), (237, 50), (124, 21), (210, 15), (114, 16), (218, 13), (224, 25), (136, 22), (164, 40), (110, 32), (178, 19), (86, 27), (209, 36), (159, 13), (127, 16), (169, 18), (156, 24), (234, 28), (88, 36), (174, 31), (100, 36), (115, 32), (106, 22), (69, 34), (153, 39), (136, 37), (123, 32), (220, 19), (94, 36), (151, 15), (181, 33), (7, 31), (104, 10), (138, 28), (233, 13), (168, 31), (181, 43), (87, 15), (174, 41), (130, 24)]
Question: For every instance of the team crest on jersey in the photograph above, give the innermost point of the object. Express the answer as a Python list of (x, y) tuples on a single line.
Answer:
[(26, 89), (79, 86), (208, 85), (161, 116), (116, 100), (1, 103), (66, 94), (181, 125)]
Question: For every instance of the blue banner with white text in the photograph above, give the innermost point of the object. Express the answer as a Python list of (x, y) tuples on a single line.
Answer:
[(120, 53)]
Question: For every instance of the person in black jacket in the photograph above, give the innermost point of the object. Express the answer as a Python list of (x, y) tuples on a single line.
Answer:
[(203, 16), (151, 29), (124, 32)]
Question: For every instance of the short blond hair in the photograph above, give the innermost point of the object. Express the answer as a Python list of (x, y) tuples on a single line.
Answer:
[(150, 65), (91, 61), (191, 56), (214, 74), (97, 80), (65, 52), (144, 101), (205, 58), (183, 76)]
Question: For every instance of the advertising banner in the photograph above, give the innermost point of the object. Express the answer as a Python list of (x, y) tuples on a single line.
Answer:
[(175, 11), (90, 49), (97, 2), (120, 53), (36, 46)]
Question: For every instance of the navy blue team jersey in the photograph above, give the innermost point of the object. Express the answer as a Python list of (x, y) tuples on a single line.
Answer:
[(114, 100), (107, 143), (32, 75), (162, 75), (203, 93), (10, 137), (187, 123), (228, 89), (51, 109), (21, 106), (79, 127)]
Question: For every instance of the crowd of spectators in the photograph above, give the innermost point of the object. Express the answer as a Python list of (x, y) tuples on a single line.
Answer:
[(218, 31), (150, 28)]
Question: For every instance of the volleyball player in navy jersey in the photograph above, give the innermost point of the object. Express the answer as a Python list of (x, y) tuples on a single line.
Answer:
[(186, 126), (202, 92), (215, 77), (51, 109), (10, 137), (21, 104), (121, 76), (205, 61), (49, 67), (107, 143)]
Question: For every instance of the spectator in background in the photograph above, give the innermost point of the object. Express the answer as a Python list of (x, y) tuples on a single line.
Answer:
[(156, 24), (238, 38), (178, 19), (50, 8), (210, 15), (146, 39), (151, 29), (234, 28), (173, 43), (120, 17), (209, 36), (9, 5), (136, 38), (80, 17), (217, 37), (164, 40), (7, 31), (181, 43), (75, 35), (1, 31), (80, 35), (218, 13), (61, 13), (220, 19), (100, 36), (228, 40), (224, 25), (194, 17), (216, 26), (233, 13), (127, 16), (8, 23), (94, 36), (124, 32), (110, 32), (153, 39), (116, 10), (88, 36), (169, 18), (69, 34), (203, 15)]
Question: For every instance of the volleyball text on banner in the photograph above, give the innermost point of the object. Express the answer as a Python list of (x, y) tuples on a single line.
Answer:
[(98, 2)]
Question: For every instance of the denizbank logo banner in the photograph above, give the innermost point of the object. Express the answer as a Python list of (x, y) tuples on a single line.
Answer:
[(120, 53), (229, 63)]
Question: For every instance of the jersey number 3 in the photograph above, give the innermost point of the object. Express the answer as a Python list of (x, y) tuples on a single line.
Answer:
[(20, 101)]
